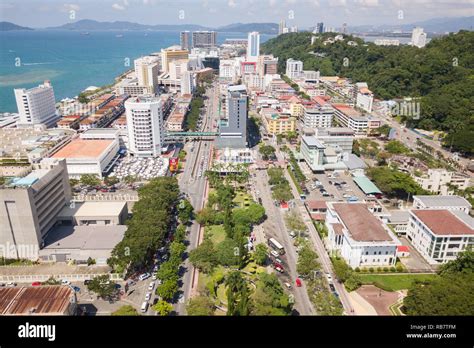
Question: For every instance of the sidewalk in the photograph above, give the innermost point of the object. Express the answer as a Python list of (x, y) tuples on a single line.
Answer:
[(360, 305)]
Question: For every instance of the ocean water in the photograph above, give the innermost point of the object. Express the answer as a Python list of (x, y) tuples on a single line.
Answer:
[(73, 61)]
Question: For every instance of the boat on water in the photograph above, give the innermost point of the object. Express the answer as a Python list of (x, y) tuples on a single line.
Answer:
[(87, 33), (119, 35)]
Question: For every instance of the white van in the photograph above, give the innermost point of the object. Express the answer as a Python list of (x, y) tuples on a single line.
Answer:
[(274, 253), (144, 307)]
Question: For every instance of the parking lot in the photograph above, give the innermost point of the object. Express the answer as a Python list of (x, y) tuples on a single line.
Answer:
[(141, 168)]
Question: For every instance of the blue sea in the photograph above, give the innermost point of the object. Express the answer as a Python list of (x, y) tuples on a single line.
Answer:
[(73, 61)]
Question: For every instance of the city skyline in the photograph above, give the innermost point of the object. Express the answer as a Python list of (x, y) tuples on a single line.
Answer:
[(215, 13)]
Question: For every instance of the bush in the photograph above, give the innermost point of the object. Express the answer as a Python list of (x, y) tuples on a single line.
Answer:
[(392, 269), (399, 268), (353, 282), (385, 269), (379, 269), (371, 270), (357, 269)]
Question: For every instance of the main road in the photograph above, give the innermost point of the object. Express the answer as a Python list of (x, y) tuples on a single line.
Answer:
[(193, 182)]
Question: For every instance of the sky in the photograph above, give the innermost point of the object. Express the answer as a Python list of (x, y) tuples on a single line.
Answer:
[(214, 13)]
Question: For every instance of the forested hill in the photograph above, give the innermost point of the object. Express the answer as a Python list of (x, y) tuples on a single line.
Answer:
[(442, 73)]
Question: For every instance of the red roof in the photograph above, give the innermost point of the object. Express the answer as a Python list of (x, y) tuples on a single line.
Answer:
[(403, 248), (443, 222), (318, 216), (316, 205)]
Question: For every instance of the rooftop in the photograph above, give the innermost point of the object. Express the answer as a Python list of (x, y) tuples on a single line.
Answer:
[(93, 209), (354, 162), (42, 300), (312, 141), (85, 237), (445, 222), (443, 201), (361, 224), (366, 185), (316, 205), (81, 148)]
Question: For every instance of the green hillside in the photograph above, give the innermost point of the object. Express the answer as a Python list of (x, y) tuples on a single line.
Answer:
[(442, 74)]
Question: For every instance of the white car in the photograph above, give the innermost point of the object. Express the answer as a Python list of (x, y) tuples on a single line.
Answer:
[(65, 282), (274, 253), (148, 296), (288, 285), (292, 234), (329, 277), (151, 286), (153, 277), (144, 276)]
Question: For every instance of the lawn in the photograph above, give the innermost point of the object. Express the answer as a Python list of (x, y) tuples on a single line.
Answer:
[(394, 282), (242, 198), (216, 232)]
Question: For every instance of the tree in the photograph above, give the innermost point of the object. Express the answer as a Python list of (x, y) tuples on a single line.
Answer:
[(126, 310), (267, 151), (396, 147), (90, 180), (383, 130), (228, 252), (260, 254), (307, 261), (282, 193), (185, 211), (353, 282), (341, 269), (167, 270), (83, 98), (111, 180), (180, 233), (163, 308), (464, 263), (292, 135), (130, 179), (204, 256), (177, 249), (200, 305), (270, 298), (168, 289), (102, 286), (294, 221), (73, 182), (238, 295)]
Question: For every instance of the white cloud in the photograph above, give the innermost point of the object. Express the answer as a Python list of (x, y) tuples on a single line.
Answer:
[(337, 3), (272, 3), (232, 3), (367, 3), (125, 2), (118, 7), (71, 7)]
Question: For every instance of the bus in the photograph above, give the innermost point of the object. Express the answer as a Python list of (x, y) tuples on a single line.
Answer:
[(276, 246)]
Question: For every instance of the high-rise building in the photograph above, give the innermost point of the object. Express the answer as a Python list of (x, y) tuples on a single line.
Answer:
[(204, 39), (294, 68), (146, 70), (319, 28), (293, 29), (29, 207), (418, 37), (37, 105), (145, 126), (185, 40), (253, 47), (187, 83), (171, 54), (177, 68), (281, 27), (344, 28), (233, 131), (267, 65)]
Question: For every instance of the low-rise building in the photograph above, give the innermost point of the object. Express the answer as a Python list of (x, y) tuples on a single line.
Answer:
[(318, 115), (93, 214), (337, 137), (279, 123), (317, 209), (38, 300), (439, 181), (347, 116), (454, 203), (362, 239), (312, 152), (398, 221), (440, 235)]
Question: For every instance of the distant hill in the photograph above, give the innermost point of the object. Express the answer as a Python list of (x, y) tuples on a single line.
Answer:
[(90, 25), (434, 25), (262, 28), (7, 26)]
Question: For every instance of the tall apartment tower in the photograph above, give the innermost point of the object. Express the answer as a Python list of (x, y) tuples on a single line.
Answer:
[(253, 47), (29, 207), (233, 133), (37, 105), (204, 39), (171, 54), (187, 83), (147, 69), (418, 37), (319, 28), (145, 126), (281, 27), (185, 40), (294, 68)]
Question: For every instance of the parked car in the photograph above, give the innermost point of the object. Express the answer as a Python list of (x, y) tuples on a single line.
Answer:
[(148, 296), (329, 277), (11, 284), (153, 277), (36, 284), (144, 276), (151, 286), (76, 288), (292, 234), (65, 282), (274, 253), (288, 285), (298, 282), (87, 281)]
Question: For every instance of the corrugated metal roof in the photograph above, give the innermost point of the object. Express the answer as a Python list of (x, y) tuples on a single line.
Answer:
[(366, 185)]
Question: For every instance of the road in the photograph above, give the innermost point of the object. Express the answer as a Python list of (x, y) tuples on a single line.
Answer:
[(194, 186), (275, 227), (323, 256)]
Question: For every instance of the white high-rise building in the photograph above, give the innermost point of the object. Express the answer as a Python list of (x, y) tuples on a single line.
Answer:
[(253, 47), (187, 83), (204, 39), (418, 37), (145, 126), (294, 68), (37, 105), (146, 70)]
